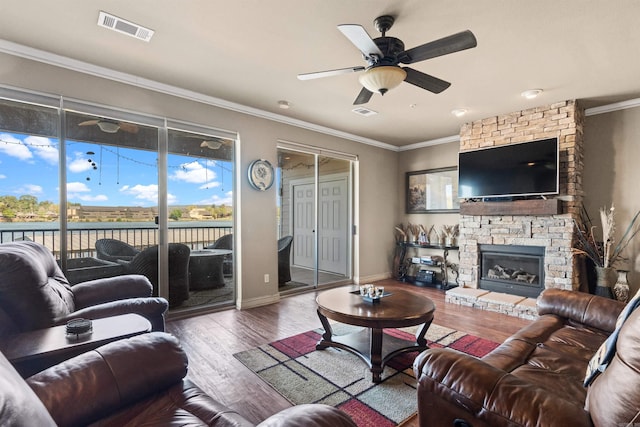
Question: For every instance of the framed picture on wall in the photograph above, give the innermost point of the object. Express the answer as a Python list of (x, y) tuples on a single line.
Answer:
[(432, 191)]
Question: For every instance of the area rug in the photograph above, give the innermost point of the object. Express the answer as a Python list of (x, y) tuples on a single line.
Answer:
[(300, 373)]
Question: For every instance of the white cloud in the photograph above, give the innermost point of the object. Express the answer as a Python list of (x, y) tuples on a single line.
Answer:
[(227, 200), (77, 187), (194, 173), (43, 148), (89, 198), (78, 190), (13, 147), (208, 185), (3, 176), (147, 193), (80, 163), (30, 189)]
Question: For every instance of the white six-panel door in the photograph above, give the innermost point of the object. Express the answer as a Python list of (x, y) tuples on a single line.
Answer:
[(333, 225)]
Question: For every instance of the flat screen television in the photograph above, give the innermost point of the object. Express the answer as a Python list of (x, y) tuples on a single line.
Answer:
[(523, 169)]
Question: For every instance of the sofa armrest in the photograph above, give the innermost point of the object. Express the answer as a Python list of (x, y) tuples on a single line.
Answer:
[(97, 291), (586, 309), (453, 385), (151, 308), (309, 415), (109, 378)]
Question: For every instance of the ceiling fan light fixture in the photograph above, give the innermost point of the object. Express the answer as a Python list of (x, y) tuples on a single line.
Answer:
[(108, 127), (211, 144), (381, 79), (531, 93)]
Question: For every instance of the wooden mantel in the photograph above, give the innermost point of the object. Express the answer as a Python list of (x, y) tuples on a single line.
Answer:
[(516, 207)]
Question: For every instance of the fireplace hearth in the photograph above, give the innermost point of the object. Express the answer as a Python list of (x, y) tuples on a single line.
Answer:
[(512, 269)]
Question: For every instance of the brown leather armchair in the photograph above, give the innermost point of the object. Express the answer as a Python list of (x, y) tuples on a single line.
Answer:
[(137, 381), (535, 378), (34, 293)]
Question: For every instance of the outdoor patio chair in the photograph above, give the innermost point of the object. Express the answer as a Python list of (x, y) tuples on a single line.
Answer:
[(225, 242), (284, 256), (113, 250), (146, 263)]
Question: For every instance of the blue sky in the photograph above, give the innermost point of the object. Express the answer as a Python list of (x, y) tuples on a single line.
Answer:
[(121, 177)]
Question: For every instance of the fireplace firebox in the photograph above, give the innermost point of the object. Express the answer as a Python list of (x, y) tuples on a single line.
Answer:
[(512, 269)]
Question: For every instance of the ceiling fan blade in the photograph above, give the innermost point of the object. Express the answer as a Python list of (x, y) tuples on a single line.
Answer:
[(328, 73), (361, 39), (89, 123), (444, 46), (425, 81), (128, 127), (363, 97)]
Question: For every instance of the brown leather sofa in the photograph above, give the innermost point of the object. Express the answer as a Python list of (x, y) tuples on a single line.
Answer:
[(535, 378), (132, 382)]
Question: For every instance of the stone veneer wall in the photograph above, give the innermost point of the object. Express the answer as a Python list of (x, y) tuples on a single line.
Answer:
[(555, 232)]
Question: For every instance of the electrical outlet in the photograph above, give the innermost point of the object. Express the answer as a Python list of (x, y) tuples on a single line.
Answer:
[(266, 278)]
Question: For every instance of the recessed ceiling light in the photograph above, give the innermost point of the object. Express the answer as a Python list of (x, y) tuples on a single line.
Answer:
[(363, 111), (459, 112), (531, 93), (285, 105)]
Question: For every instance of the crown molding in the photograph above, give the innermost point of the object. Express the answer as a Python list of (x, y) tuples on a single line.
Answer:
[(49, 58), (430, 143), (616, 106)]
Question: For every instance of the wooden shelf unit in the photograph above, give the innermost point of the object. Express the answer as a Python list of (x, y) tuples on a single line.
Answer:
[(442, 267)]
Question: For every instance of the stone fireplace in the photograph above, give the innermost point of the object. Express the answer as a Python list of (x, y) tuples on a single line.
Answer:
[(546, 225)]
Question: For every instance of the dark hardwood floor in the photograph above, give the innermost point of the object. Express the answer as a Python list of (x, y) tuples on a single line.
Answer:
[(210, 340)]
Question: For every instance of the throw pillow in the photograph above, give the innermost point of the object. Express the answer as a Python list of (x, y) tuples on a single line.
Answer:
[(607, 350)]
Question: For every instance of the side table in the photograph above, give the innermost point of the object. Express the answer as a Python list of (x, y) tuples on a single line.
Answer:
[(31, 352)]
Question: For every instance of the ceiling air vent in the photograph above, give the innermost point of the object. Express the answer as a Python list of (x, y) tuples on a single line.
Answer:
[(125, 27), (364, 111)]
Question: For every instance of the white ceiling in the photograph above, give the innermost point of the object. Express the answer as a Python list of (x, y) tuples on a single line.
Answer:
[(250, 51)]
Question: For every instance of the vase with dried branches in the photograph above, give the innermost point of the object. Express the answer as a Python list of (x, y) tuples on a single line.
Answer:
[(605, 254), (450, 233)]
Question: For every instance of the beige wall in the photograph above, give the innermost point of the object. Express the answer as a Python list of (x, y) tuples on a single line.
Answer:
[(612, 174), (256, 211), (437, 156)]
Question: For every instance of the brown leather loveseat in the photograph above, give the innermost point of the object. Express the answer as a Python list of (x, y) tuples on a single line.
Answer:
[(132, 382), (535, 378)]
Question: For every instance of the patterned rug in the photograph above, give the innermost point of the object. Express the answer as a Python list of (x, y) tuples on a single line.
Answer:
[(294, 368)]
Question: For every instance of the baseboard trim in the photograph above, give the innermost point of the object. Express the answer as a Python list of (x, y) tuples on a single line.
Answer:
[(257, 302)]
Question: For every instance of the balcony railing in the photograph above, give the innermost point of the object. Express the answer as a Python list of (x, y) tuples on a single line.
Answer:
[(81, 241)]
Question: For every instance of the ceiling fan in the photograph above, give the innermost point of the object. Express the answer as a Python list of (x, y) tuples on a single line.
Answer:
[(213, 142), (111, 126), (384, 54)]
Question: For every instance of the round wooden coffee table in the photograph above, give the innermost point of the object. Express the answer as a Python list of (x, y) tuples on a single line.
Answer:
[(400, 309)]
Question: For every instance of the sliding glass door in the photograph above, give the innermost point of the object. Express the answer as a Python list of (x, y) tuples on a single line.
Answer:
[(315, 205), (200, 210), (112, 192)]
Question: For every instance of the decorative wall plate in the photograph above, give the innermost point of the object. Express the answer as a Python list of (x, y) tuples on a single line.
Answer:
[(260, 174)]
